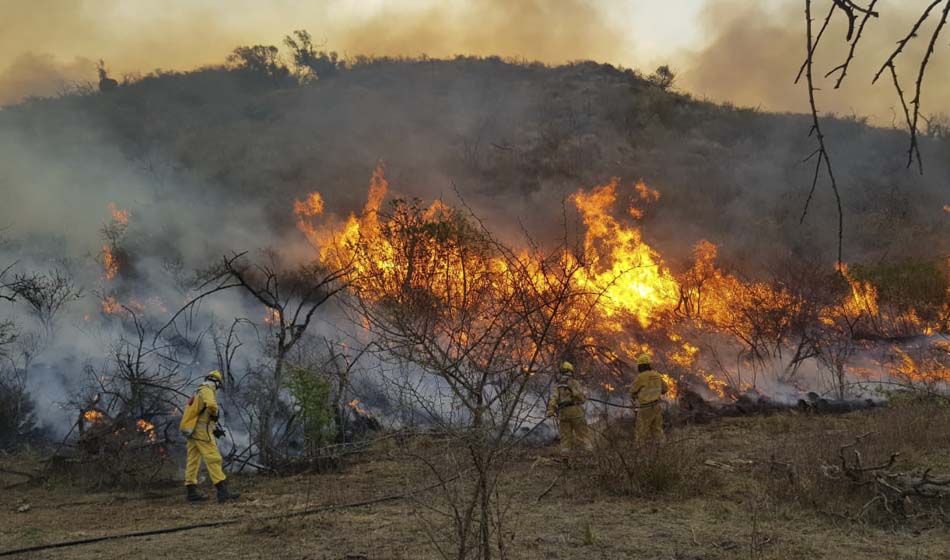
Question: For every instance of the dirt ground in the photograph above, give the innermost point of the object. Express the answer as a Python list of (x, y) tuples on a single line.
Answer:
[(721, 515)]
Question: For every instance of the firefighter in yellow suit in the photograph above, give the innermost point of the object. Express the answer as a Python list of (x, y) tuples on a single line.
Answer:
[(567, 403), (201, 441), (647, 389)]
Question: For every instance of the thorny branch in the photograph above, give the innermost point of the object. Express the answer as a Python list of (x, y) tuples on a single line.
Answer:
[(823, 158), (853, 12)]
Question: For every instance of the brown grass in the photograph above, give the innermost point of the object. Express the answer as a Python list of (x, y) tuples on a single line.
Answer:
[(802, 461), (689, 510)]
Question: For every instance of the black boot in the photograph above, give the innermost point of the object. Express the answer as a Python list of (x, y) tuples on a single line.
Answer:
[(193, 495), (223, 494)]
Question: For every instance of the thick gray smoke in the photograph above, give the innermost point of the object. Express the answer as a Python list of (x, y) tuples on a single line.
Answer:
[(59, 193)]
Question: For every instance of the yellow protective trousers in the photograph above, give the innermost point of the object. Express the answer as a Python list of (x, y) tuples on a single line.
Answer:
[(202, 446), (573, 428), (650, 424)]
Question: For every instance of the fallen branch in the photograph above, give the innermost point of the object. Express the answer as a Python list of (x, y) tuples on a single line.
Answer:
[(893, 490)]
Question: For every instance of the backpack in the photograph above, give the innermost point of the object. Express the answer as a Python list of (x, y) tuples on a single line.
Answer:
[(189, 417)]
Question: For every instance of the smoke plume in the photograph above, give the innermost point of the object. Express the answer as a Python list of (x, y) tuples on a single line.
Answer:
[(755, 49)]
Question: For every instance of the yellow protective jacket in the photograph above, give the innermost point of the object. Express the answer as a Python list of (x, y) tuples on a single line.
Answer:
[(648, 387), (567, 400), (208, 405)]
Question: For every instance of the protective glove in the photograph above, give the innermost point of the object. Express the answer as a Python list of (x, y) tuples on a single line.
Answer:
[(218, 432)]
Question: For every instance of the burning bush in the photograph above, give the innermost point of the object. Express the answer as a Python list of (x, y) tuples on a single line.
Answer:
[(127, 410), (120, 450), (909, 289)]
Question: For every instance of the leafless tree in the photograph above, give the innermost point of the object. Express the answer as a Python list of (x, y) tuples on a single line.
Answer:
[(290, 297), (17, 352), (857, 16), (481, 321), (47, 294), (126, 411)]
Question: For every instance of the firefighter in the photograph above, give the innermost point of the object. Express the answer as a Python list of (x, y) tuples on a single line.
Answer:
[(646, 391), (567, 403), (199, 426)]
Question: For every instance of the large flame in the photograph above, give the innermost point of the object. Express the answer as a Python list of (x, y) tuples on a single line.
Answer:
[(628, 272), (863, 297), (634, 303), (119, 222)]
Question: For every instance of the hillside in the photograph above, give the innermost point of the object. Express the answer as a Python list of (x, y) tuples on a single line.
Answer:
[(513, 138)]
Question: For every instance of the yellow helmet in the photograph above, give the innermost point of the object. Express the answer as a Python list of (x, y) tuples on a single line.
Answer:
[(644, 359), (567, 367), (215, 375)]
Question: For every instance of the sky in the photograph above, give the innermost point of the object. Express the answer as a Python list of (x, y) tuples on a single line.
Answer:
[(742, 51)]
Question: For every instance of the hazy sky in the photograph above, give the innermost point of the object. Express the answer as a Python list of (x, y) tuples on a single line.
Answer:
[(744, 51)]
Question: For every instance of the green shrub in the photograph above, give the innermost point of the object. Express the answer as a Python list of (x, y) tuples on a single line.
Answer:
[(312, 395)]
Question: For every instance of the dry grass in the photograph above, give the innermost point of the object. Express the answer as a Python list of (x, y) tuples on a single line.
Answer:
[(620, 467), (557, 508), (803, 462)]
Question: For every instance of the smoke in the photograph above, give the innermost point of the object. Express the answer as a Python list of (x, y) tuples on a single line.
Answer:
[(207, 163), (58, 189), (750, 55), (42, 75), (36, 37), (534, 29), (754, 51)]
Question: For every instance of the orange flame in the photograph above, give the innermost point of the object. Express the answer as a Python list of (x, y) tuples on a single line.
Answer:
[(111, 305), (716, 385), (109, 262), (633, 292), (146, 428), (629, 273), (120, 216), (355, 405), (93, 416), (305, 211), (272, 316), (863, 298), (671, 384)]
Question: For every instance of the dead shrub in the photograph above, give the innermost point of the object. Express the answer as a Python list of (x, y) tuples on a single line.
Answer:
[(874, 468)]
